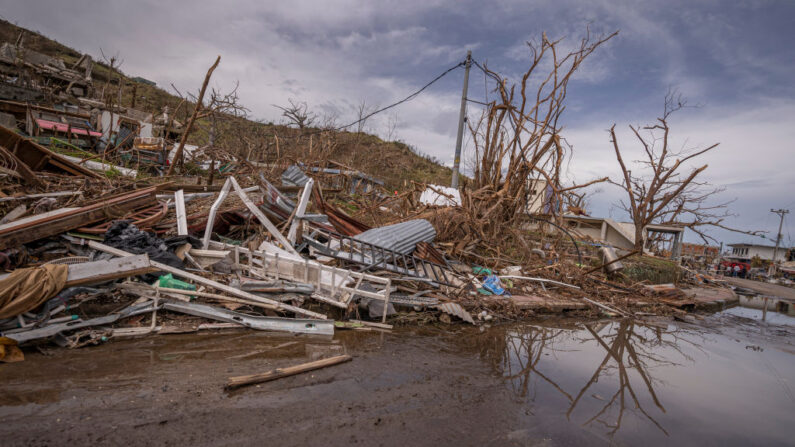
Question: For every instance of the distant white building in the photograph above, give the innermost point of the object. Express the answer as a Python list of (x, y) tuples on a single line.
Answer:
[(621, 235), (745, 252)]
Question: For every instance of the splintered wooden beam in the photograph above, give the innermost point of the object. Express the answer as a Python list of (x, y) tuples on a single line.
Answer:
[(237, 382), (21, 232)]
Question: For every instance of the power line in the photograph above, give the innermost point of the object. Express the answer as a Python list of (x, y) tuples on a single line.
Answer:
[(486, 72), (478, 102), (781, 212), (407, 98)]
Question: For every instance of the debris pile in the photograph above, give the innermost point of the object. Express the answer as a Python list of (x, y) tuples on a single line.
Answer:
[(99, 244), (99, 264)]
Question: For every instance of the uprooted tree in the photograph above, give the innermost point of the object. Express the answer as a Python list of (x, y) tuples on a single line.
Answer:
[(659, 190), (517, 139)]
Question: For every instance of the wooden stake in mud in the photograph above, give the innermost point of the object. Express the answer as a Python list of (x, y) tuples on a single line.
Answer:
[(237, 382)]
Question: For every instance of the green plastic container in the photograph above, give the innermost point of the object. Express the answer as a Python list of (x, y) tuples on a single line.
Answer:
[(168, 281)]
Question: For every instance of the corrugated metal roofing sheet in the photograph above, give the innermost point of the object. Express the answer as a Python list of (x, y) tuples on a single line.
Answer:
[(402, 237), (294, 176), (456, 310)]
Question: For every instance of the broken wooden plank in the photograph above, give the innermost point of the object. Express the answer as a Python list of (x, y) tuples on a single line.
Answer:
[(38, 158), (45, 194), (206, 258), (53, 213), (45, 226), (239, 381), (265, 302), (101, 271), (14, 214), (182, 219), (373, 324), (300, 210)]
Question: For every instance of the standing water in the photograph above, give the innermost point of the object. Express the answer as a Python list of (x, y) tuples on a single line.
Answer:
[(727, 380)]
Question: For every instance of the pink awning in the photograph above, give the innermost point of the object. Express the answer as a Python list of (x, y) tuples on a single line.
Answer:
[(61, 127)]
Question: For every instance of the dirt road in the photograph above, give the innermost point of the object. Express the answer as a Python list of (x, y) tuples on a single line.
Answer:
[(763, 287)]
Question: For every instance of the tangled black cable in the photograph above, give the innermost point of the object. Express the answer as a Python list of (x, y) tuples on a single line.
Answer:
[(486, 72)]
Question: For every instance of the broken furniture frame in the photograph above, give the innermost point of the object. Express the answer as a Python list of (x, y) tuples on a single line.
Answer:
[(232, 183), (371, 256), (330, 282), (263, 302)]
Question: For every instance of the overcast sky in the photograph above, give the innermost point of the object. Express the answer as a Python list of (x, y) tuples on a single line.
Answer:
[(734, 59)]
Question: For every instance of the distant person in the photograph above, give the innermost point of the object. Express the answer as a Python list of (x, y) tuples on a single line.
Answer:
[(736, 270)]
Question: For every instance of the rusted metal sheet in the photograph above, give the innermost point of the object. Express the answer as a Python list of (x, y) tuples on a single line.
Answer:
[(428, 252), (39, 158), (456, 310), (343, 223)]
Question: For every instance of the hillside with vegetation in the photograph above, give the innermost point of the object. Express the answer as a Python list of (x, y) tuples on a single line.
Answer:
[(394, 162)]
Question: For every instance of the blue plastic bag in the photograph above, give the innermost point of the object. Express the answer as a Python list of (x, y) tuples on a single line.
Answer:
[(492, 284)]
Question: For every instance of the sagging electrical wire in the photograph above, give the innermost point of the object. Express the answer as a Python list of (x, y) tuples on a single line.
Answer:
[(406, 99)]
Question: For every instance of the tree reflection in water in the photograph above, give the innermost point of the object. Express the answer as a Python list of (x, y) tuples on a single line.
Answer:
[(628, 345)]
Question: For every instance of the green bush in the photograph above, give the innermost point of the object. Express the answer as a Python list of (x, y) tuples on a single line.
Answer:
[(651, 270)]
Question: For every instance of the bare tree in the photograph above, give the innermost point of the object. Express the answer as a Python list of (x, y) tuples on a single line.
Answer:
[(518, 137), (114, 64), (363, 113), (577, 202), (328, 120), (297, 113), (391, 126), (658, 191), (220, 105)]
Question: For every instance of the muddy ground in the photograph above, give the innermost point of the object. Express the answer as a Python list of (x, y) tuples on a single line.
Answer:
[(402, 388), (451, 385)]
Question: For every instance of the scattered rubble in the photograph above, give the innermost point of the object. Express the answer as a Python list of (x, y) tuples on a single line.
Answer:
[(100, 244)]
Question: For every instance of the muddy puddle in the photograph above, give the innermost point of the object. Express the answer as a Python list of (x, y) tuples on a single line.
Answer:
[(725, 381)]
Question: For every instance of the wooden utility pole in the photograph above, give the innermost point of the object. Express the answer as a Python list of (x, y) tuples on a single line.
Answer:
[(461, 119), (781, 213)]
